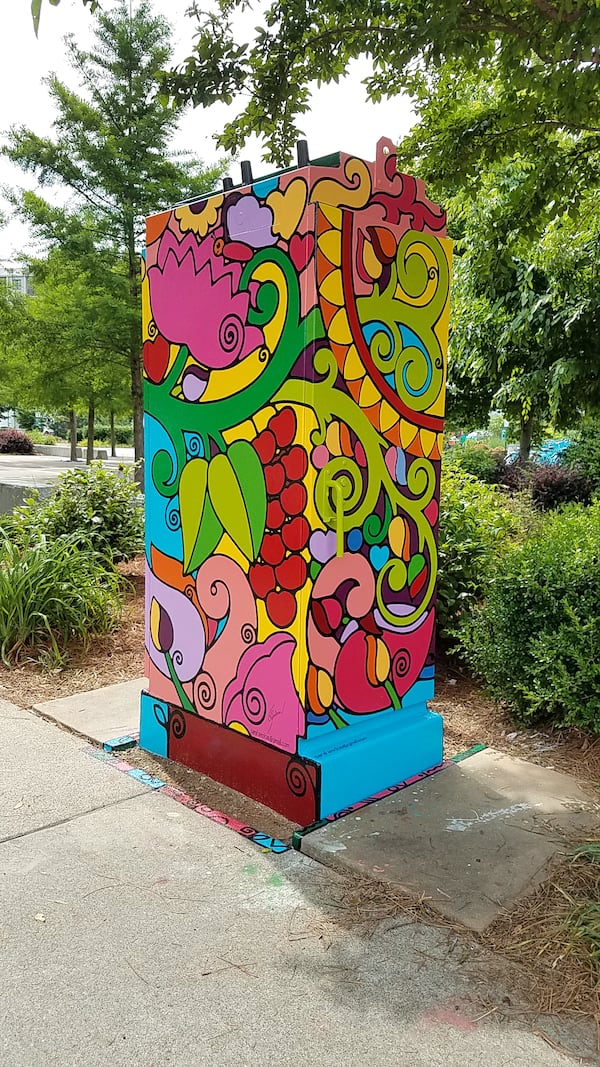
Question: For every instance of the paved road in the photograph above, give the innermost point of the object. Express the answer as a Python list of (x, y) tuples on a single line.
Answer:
[(134, 932)]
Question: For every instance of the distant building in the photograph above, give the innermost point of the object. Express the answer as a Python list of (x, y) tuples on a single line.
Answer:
[(14, 276)]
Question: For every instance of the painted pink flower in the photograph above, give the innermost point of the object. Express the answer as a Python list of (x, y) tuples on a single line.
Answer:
[(193, 303), (261, 700)]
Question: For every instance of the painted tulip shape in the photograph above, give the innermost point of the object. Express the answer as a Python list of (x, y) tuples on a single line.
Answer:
[(276, 718), (174, 629), (220, 335)]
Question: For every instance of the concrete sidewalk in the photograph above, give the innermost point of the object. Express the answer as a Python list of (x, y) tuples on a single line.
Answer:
[(132, 931)]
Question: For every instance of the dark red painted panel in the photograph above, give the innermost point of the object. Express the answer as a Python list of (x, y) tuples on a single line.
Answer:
[(287, 784)]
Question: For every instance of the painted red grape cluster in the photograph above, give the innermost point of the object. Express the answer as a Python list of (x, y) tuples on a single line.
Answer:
[(280, 570)]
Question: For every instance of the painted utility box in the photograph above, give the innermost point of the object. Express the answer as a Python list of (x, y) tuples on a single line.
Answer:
[(295, 334)]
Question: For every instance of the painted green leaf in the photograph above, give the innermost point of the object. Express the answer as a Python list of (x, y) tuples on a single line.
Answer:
[(209, 535), (200, 528), (249, 473), (227, 498), (415, 567)]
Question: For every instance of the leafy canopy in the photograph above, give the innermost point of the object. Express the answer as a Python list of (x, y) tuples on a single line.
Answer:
[(111, 149), (545, 49)]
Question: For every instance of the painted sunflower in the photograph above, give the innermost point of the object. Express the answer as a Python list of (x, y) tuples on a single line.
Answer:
[(200, 216)]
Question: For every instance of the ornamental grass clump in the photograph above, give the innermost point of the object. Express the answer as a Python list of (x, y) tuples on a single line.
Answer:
[(52, 591)]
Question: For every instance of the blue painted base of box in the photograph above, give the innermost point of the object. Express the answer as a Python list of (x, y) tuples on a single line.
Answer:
[(357, 763)]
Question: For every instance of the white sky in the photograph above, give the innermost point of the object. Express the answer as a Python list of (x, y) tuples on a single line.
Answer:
[(340, 117)]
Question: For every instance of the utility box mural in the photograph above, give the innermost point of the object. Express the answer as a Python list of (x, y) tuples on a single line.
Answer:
[(295, 334)]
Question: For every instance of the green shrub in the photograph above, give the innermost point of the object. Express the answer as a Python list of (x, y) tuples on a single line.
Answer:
[(92, 504), (584, 453), (536, 639), (15, 442), (40, 438), (124, 435), (480, 460), (51, 591), (475, 526)]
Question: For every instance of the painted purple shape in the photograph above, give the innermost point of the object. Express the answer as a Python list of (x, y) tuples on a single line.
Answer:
[(188, 647), (262, 697), (193, 383), (322, 545), (400, 610), (247, 221)]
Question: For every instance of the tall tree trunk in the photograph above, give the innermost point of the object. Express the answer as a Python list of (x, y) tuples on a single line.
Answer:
[(525, 437), (135, 362), (113, 439), (90, 432), (73, 434)]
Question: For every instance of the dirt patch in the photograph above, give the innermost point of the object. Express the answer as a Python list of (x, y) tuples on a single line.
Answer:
[(205, 790)]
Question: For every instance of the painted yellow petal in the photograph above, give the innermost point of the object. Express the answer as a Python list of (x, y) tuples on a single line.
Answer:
[(154, 621), (369, 394), (353, 367), (397, 535), (324, 689), (373, 266), (382, 661), (408, 432), (331, 288), (427, 441), (332, 214), (339, 328), (387, 416), (332, 439), (330, 244)]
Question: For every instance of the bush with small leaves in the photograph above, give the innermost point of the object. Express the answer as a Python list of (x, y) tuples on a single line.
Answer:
[(480, 460), (15, 442), (535, 639), (584, 453), (553, 486), (475, 526), (94, 505)]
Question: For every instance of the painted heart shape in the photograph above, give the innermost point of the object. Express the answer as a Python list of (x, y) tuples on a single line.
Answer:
[(288, 207), (379, 555), (156, 358), (302, 247), (322, 545)]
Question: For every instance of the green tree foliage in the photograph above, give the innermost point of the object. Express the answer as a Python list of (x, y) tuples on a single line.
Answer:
[(526, 306), (524, 210), (544, 49), (66, 346), (111, 150)]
